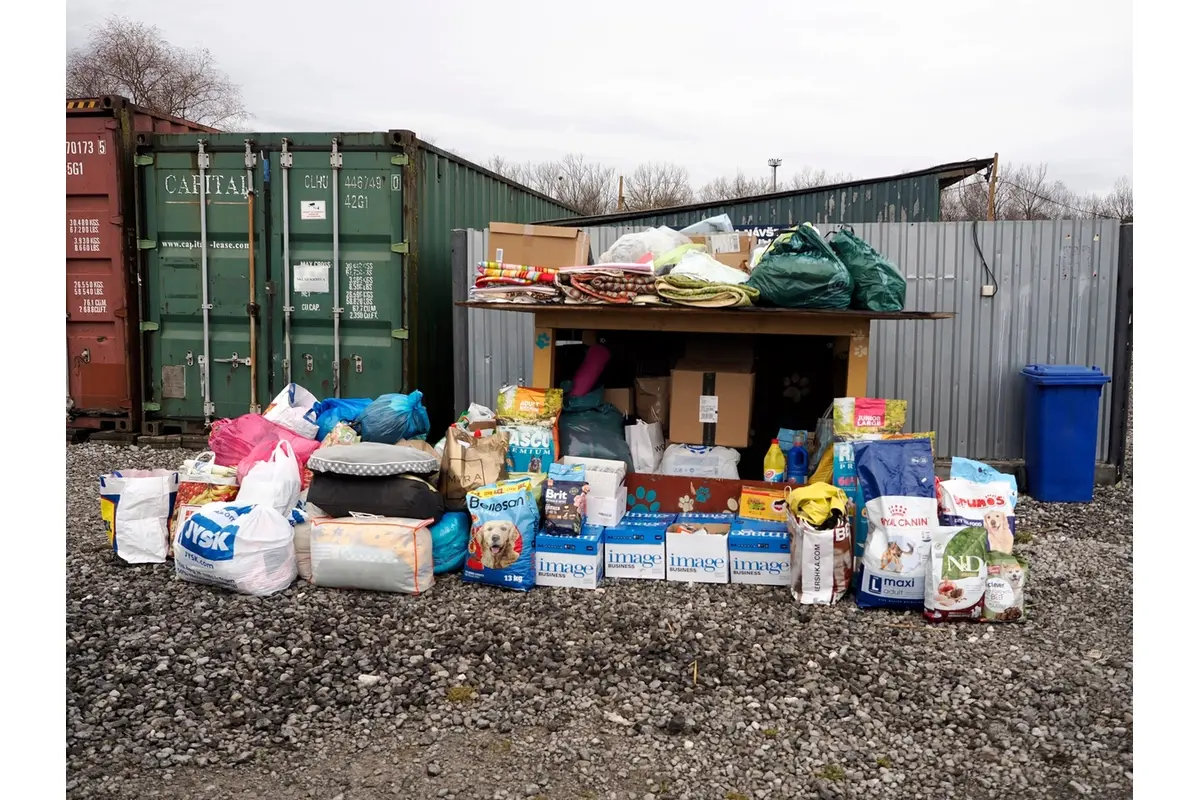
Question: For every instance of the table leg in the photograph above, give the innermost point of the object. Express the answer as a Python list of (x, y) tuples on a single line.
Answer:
[(857, 363), (543, 358)]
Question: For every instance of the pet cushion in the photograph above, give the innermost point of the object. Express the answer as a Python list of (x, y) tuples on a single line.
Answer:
[(389, 496), (372, 460)]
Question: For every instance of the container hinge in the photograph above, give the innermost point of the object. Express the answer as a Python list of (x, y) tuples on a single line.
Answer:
[(210, 408), (148, 326), (151, 406), (143, 161), (401, 248), (400, 161), (251, 159), (335, 156), (285, 160), (400, 333), (202, 160), (147, 244)]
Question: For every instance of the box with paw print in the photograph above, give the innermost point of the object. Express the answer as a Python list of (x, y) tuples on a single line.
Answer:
[(675, 494)]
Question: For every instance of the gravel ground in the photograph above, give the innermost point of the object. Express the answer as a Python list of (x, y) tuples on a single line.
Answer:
[(640, 690)]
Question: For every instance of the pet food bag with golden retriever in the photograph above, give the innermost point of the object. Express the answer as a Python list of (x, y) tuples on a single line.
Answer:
[(985, 505), (954, 584), (897, 483), (380, 554), (504, 523)]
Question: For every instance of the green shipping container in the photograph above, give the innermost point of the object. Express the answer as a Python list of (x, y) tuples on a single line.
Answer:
[(316, 258)]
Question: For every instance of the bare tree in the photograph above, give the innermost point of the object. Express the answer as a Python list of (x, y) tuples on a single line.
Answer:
[(730, 188), (810, 178), (657, 185), (590, 188), (1119, 202), (1025, 192), (133, 59)]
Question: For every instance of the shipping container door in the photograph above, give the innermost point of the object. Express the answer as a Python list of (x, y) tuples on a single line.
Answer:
[(197, 205), (340, 330), (98, 370)]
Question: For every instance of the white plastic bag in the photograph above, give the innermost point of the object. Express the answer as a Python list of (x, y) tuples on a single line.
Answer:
[(701, 462), (645, 440), (295, 409), (247, 549), (718, 224), (136, 507), (382, 554), (822, 561), (633, 247), (704, 267), (274, 482)]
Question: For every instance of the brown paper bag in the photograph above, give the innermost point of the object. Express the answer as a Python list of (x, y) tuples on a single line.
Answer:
[(468, 463), (653, 399)]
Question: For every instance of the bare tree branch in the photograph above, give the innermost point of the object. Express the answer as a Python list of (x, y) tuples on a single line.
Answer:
[(133, 59), (811, 178), (657, 185), (730, 188)]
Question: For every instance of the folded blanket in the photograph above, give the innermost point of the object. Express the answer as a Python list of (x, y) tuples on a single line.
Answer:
[(704, 294), (608, 286), (539, 293), (490, 272)]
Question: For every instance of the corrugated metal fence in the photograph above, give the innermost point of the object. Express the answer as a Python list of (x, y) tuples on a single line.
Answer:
[(1055, 303)]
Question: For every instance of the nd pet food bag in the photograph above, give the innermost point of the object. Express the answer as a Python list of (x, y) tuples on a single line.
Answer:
[(986, 505), (954, 584), (1004, 593), (897, 483), (504, 522), (247, 549)]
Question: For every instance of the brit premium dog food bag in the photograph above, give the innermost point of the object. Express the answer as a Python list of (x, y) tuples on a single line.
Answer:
[(954, 585), (897, 483), (504, 523)]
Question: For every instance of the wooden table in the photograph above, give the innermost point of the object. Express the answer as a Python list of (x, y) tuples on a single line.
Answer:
[(851, 328)]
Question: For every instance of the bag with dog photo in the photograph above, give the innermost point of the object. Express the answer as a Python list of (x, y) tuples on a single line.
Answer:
[(504, 522), (985, 505), (954, 584), (1004, 595)]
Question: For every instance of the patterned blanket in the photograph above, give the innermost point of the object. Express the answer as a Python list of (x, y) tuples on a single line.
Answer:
[(704, 294), (490, 273), (610, 286)]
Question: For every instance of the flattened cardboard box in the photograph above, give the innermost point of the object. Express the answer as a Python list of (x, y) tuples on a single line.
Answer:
[(731, 249), (537, 245)]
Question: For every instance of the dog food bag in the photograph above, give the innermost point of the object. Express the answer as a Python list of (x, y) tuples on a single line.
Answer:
[(504, 523), (531, 448), (380, 554), (859, 416), (822, 561), (897, 483), (1004, 595), (954, 584), (986, 505), (521, 405)]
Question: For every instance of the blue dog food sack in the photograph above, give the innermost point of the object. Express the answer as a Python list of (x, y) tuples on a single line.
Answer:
[(530, 448), (897, 483), (504, 523)]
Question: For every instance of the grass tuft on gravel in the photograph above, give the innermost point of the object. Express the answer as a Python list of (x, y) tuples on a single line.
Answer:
[(831, 772), (736, 796), (771, 733), (459, 694), (884, 761), (1023, 537)]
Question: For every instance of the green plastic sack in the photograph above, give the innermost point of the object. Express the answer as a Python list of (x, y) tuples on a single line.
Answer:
[(799, 270), (878, 285)]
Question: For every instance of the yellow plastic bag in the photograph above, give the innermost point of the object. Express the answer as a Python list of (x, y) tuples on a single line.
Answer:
[(815, 502)]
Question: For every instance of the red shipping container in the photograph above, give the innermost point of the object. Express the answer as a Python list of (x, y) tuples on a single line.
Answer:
[(104, 381)]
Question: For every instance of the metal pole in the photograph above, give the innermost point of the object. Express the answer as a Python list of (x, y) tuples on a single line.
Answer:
[(285, 163), (205, 305), (774, 163), (992, 188), (252, 306), (335, 163)]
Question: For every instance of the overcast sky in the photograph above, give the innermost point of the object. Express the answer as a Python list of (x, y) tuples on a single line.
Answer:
[(871, 88)]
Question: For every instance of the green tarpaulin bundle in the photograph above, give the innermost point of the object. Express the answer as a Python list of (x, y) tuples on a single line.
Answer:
[(799, 270), (878, 285)]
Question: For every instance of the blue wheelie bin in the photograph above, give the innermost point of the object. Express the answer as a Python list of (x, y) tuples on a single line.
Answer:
[(1062, 413)]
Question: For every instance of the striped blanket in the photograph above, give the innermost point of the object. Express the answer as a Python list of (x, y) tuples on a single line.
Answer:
[(608, 286)]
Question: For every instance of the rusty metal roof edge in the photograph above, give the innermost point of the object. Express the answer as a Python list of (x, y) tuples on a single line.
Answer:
[(955, 171)]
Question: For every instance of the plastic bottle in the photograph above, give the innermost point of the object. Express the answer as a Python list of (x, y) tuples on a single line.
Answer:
[(797, 464), (774, 465)]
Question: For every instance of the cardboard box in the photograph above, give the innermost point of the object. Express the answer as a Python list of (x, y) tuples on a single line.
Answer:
[(537, 245), (573, 562), (731, 249), (760, 553), (635, 550), (711, 401), (699, 557), (622, 400), (607, 496)]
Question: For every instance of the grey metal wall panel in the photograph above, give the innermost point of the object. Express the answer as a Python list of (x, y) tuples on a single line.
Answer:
[(1055, 304)]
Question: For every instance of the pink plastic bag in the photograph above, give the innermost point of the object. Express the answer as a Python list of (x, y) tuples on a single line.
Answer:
[(245, 441)]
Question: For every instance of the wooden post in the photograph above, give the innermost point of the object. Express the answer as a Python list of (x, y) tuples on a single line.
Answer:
[(543, 357), (992, 188), (621, 193), (857, 363)]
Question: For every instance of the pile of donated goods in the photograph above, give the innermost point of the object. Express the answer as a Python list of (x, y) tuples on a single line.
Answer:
[(348, 494)]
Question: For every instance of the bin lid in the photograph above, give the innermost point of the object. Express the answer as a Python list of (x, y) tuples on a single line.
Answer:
[(1065, 375)]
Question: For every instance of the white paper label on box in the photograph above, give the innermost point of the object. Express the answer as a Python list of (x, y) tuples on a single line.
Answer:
[(311, 277), (499, 255), (708, 408), (724, 243), (312, 209)]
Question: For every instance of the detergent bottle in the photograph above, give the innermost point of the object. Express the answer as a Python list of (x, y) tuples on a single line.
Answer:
[(797, 464), (774, 465)]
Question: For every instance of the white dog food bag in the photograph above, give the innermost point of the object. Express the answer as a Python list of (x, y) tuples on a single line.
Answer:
[(247, 549), (1004, 595), (986, 505), (958, 570), (822, 561), (381, 554)]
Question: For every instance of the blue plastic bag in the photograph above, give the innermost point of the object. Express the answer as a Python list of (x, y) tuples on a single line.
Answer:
[(393, 417), (977, 472), (450, 537), (895, 477), (330, 412)]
